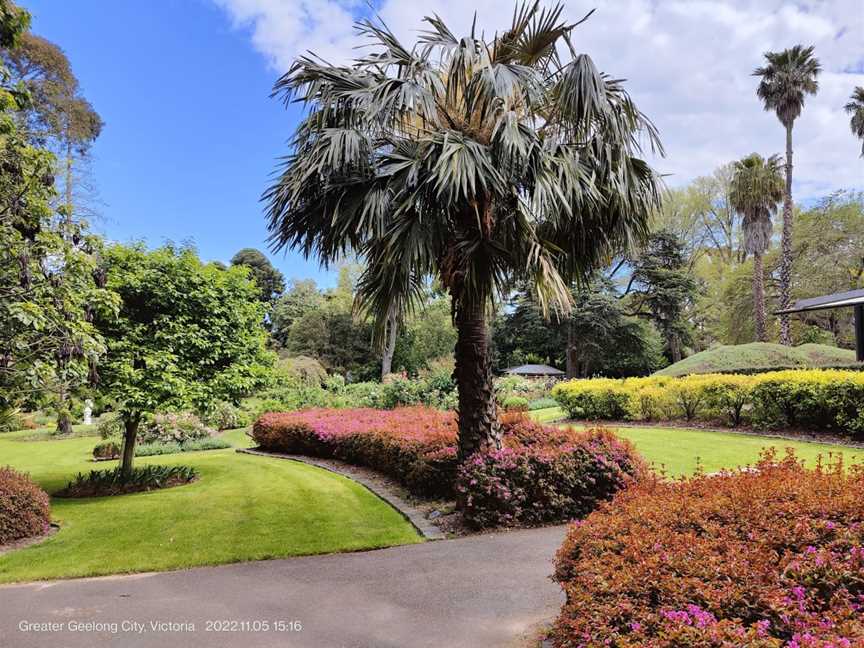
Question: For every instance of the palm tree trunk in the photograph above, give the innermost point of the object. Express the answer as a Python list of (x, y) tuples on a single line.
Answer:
[(478, 419), (130, 434), (786, 245), (572, 359), (390, 345), (759, 296)]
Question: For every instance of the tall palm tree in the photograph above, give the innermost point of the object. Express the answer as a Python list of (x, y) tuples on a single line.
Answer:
[(788, 77), (855, 107), (471, 161), (756, 189)]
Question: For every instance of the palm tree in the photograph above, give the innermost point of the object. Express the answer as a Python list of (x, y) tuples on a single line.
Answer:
[(855, 107), (469, 161), (755, 191), (788, 77)]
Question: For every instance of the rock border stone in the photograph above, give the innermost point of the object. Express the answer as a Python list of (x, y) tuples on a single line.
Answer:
[(424, 527)]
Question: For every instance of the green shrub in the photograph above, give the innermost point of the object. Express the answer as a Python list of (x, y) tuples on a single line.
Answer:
[(172, 428), (225, 416), (112, 481), (10, 419), (108, 450), (515, 404), (110, 426), (24, 507), (152, 449), (542, 403)]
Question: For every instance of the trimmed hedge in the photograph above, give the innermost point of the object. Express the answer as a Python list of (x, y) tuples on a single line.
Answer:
[(813, 399), (541, 474), (24, 507), (415, 445), (767, 557)]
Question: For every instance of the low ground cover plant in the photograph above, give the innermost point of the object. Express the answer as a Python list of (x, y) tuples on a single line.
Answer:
[(541, 474), (767, 557), (98, 483), (112, 449), (24, 507), (817, 400)]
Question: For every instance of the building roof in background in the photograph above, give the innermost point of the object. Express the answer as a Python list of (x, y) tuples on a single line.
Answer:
[(534, 370), (836, 300)]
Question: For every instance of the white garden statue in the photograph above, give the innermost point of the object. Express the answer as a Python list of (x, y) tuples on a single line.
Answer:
[(88, 412)]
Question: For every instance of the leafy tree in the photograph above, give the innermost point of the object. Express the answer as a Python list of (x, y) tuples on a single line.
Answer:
[(270, 282), (477, 162), (661, 289), (788, 77), (186, 335), (829, 257), (302, 297), (426, 336), (757, 188), (47, 290), (855, 107), (58, 115)]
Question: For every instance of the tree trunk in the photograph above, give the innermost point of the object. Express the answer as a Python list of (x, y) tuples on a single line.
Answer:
[(786, 245), (390, 345), (130, 434), (675, 347), (572, 360), (759, 296), (68, 187), (64, 421), (478, 420)]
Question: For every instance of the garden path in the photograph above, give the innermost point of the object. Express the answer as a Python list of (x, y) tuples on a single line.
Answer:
[(485, 590)]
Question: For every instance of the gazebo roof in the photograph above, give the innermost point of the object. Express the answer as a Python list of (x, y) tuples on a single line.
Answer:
[(836, 300), (534, 370)]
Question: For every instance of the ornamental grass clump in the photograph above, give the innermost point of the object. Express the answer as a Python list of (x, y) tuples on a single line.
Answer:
[(24, 507), (767, 557)]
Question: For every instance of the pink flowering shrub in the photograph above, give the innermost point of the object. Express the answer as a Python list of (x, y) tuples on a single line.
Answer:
[(415, 445), (529, 483), (772, 557)]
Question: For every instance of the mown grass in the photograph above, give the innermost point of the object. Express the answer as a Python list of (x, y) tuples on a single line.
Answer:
[(241, 508), (680, 451)]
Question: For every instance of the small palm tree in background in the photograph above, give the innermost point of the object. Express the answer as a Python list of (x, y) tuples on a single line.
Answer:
[(788, 77), (475, 162), (855, 107), (756, 189)]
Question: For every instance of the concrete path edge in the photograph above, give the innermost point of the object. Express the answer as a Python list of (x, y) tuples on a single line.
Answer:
[(416, 518)]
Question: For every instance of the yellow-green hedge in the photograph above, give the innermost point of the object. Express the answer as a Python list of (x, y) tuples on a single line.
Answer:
[(814, 399)]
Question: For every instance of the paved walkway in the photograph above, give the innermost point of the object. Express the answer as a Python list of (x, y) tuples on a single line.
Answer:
[(472, 592)]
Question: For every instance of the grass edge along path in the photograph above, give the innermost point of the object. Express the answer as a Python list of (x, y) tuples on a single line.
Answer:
[(241, 508)]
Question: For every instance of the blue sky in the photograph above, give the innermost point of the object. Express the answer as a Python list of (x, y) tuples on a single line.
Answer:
[(192, 136)]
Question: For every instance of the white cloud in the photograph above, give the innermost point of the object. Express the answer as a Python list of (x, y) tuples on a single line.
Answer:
[(688, 65)]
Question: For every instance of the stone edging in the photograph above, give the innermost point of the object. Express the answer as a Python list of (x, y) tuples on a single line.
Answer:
[(426, 529)]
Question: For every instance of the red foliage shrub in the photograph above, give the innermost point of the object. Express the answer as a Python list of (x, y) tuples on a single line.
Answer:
[(415, 445), (543, 475), (24, 507), (763, 558)]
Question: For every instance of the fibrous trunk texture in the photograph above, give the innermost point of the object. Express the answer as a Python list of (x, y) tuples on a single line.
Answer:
[(478, 420), (130, 434), (786, 245), (759, 296)]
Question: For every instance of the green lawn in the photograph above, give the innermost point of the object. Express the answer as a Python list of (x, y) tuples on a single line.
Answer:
[(241, 508), (679, 451)]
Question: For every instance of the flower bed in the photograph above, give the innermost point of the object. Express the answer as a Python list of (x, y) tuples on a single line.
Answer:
[(765, 558), (541, 474), (817, 400), (415, 445), (24, 507)]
